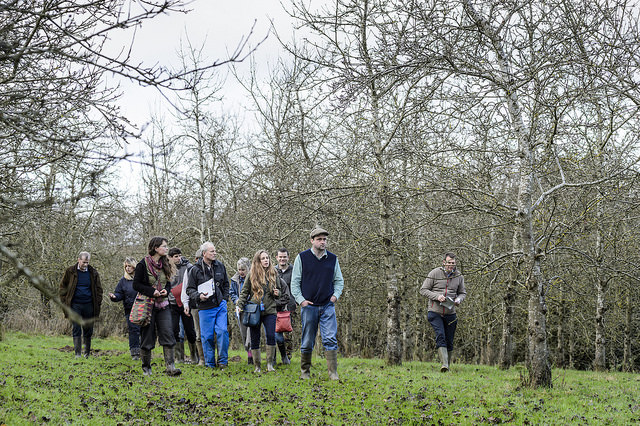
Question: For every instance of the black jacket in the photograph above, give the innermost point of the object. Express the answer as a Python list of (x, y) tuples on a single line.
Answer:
[(286, 277), (201, 273), (124, 291)]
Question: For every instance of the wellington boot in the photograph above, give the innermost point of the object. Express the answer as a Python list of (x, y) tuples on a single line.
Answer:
[(450, 354), (271, 357), (77, 346), (249, 358), (200, 353), (145, 355), (332, 364), (194, 353), (87, 347), (169, 361), (305, 365), (283, 353), (135, 354), (178, 350), (256, 360), (444, 358)]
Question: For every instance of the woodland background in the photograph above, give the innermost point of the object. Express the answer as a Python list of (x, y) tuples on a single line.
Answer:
[(505, 131)]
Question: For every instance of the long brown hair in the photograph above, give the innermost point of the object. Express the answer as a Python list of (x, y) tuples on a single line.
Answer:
[(168, 267), (258, 275)]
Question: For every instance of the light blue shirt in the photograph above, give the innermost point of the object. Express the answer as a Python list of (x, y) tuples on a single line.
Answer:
[(296, 279)]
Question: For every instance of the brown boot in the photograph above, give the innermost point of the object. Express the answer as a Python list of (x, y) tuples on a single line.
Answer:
[(305, 365), (444, 358), (200, 353), (332, 364), (169, 362), (256, 360), (271, 357)]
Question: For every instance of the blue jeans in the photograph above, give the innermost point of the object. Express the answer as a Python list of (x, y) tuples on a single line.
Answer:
[(212, 321), (325, 317), (85, 310), (269, 322), (444, 327)]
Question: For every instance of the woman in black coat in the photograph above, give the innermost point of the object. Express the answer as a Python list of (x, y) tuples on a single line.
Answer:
[(125, 293)]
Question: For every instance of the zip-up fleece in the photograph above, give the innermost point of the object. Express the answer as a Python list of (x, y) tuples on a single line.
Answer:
[(437, 283)]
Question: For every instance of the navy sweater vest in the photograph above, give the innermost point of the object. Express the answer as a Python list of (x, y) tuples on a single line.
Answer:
[(317, 277), (83, 288)]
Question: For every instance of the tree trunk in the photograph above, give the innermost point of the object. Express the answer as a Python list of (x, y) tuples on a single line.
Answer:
[(600, 359)]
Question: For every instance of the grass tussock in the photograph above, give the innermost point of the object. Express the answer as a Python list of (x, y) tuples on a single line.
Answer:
[(41, 382)]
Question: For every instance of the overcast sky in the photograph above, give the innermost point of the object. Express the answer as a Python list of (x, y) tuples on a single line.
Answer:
[(219, 24)]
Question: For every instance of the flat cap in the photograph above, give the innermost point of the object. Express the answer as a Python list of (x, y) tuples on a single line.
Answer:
[(318, 231)]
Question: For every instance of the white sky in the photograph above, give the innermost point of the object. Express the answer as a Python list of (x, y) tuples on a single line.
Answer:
[(222, 25)]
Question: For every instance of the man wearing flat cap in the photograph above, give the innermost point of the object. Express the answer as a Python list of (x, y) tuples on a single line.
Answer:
[(316, 284)]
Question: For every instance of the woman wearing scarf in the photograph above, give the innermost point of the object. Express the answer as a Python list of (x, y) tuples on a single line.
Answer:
[(153, 279)]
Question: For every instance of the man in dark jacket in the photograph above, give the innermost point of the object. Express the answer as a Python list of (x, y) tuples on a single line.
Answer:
[(81, 290), (208, 289)]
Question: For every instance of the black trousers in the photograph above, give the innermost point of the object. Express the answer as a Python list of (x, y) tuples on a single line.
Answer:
[(161, 327)]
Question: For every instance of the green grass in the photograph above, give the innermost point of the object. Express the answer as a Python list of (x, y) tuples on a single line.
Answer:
[(41, 382)]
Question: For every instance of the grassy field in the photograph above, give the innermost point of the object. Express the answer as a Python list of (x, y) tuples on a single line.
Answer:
[(42, 383)]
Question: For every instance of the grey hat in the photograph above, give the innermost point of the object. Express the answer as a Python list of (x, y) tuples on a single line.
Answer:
[(318, 231)]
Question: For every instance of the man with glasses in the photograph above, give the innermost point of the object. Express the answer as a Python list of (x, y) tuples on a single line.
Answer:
[(444, 286)]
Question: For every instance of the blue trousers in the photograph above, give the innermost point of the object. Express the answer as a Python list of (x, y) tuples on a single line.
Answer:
[(323, 317), (444, 327), (212, 321), (269, 322), (134, 331)]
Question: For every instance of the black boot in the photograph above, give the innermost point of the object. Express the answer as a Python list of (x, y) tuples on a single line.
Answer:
[(178, 351), (169, 362), (87, 347), (145, 355), (283, 353), (194, 353), (77, 346)]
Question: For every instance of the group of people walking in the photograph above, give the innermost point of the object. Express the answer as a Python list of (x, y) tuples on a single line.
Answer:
[(196, 296)]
